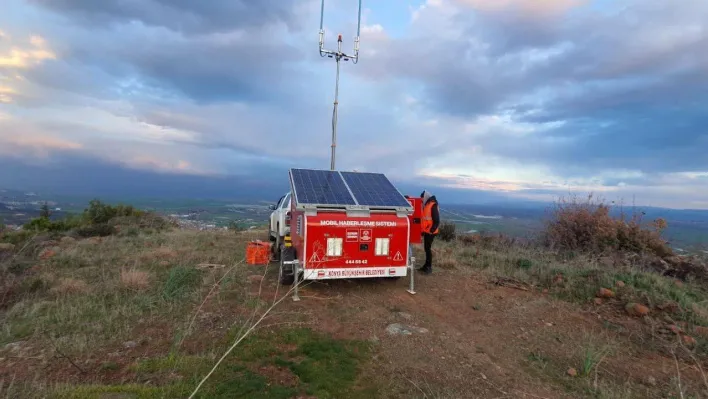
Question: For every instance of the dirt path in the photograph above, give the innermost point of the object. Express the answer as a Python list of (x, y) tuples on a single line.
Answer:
[(488, 341)]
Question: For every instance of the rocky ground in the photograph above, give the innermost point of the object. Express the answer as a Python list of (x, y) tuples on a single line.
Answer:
[(150, 315)]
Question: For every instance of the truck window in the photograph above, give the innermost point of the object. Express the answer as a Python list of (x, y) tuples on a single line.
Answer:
[(286, 202), (280, 202)]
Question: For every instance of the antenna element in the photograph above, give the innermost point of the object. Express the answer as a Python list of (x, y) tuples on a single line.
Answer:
[(338, 55)]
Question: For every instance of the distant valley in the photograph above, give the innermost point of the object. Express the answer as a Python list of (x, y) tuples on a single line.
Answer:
[(687, 231)]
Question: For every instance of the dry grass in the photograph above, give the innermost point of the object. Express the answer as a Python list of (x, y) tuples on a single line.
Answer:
[(445, 258), (135, 279), (159, 254), (69, 286), (576, 279), (587, 225), (94, 291)]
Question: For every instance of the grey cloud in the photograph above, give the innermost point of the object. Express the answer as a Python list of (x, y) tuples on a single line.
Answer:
[(242, 57), (186, 16), (628, 82), (497, 58), (252, 69), (200, 69)]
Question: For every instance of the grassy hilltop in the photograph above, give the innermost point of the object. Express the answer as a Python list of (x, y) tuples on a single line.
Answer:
[(115, 302)]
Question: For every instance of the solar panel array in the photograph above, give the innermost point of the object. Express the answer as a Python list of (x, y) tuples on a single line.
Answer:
[(374, 189), (326, 187), (323, 187)]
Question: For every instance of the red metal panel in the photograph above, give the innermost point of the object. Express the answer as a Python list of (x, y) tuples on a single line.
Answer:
[(415, 219), (358, 235)]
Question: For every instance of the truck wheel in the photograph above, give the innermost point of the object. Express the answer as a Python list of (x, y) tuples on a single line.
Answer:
[(275, 249), (287, 277)]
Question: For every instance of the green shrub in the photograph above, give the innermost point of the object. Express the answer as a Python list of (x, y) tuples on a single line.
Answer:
[(95, 230), (98, 212), (16, 238), (99, 220), (44, 211), (524, 263), (233, 226), (447, 231), (38, 224)]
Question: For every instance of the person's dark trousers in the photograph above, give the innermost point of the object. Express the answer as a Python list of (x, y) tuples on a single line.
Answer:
[(428, 245)]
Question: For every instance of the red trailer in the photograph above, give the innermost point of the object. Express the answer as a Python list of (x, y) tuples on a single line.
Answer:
[(347, 225)]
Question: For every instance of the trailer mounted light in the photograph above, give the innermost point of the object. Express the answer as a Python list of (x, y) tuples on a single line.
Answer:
[(334, 246), (382, 245)]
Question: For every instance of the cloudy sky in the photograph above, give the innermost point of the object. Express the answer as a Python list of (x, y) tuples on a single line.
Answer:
[(527, 98)]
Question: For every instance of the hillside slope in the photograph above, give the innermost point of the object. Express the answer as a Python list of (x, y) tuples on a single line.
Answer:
[(148, 315)]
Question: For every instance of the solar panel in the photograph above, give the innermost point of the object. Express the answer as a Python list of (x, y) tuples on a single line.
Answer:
[(374, 189), (321, 187)]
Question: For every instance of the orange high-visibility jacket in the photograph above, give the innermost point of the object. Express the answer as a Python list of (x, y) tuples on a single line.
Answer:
[(428, 225)]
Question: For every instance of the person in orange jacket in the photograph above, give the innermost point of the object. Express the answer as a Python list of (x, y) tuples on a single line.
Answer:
[(430, 225)]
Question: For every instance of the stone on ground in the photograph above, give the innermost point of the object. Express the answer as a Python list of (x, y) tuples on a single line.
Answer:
[(636, 309), (402, 329)]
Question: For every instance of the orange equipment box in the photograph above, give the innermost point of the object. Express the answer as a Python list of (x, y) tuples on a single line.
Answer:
[(258, 253)]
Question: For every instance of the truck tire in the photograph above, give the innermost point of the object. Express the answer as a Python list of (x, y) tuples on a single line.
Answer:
[(275, 249), (287, 276), (275, 246)]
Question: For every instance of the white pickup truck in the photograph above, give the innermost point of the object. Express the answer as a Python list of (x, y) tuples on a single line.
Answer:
[(279, 223)]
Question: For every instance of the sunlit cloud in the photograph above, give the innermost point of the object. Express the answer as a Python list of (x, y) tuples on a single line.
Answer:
[(475, 183), (163, 165), (43, 142), (32, 144), (6, 94), (16, 55), (25, 56), (526, 6)]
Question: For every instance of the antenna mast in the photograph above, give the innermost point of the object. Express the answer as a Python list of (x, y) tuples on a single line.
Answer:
[(338, 56)]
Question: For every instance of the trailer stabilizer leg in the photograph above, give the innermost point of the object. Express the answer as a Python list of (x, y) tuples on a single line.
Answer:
[(411, 268), (296, 281)]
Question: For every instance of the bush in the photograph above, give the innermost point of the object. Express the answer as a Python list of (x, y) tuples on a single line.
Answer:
[(587, 226), (233, 226), (524, 263), (95, 230), (98, 219), (15, 237), (38, 224), (98, 212), (447, 231), (44, 211)]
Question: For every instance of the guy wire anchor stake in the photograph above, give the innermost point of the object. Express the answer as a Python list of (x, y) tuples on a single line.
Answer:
[(338, 56)]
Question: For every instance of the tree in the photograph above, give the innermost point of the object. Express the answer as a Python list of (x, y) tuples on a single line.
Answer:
[(233, 226), (44, 211)]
